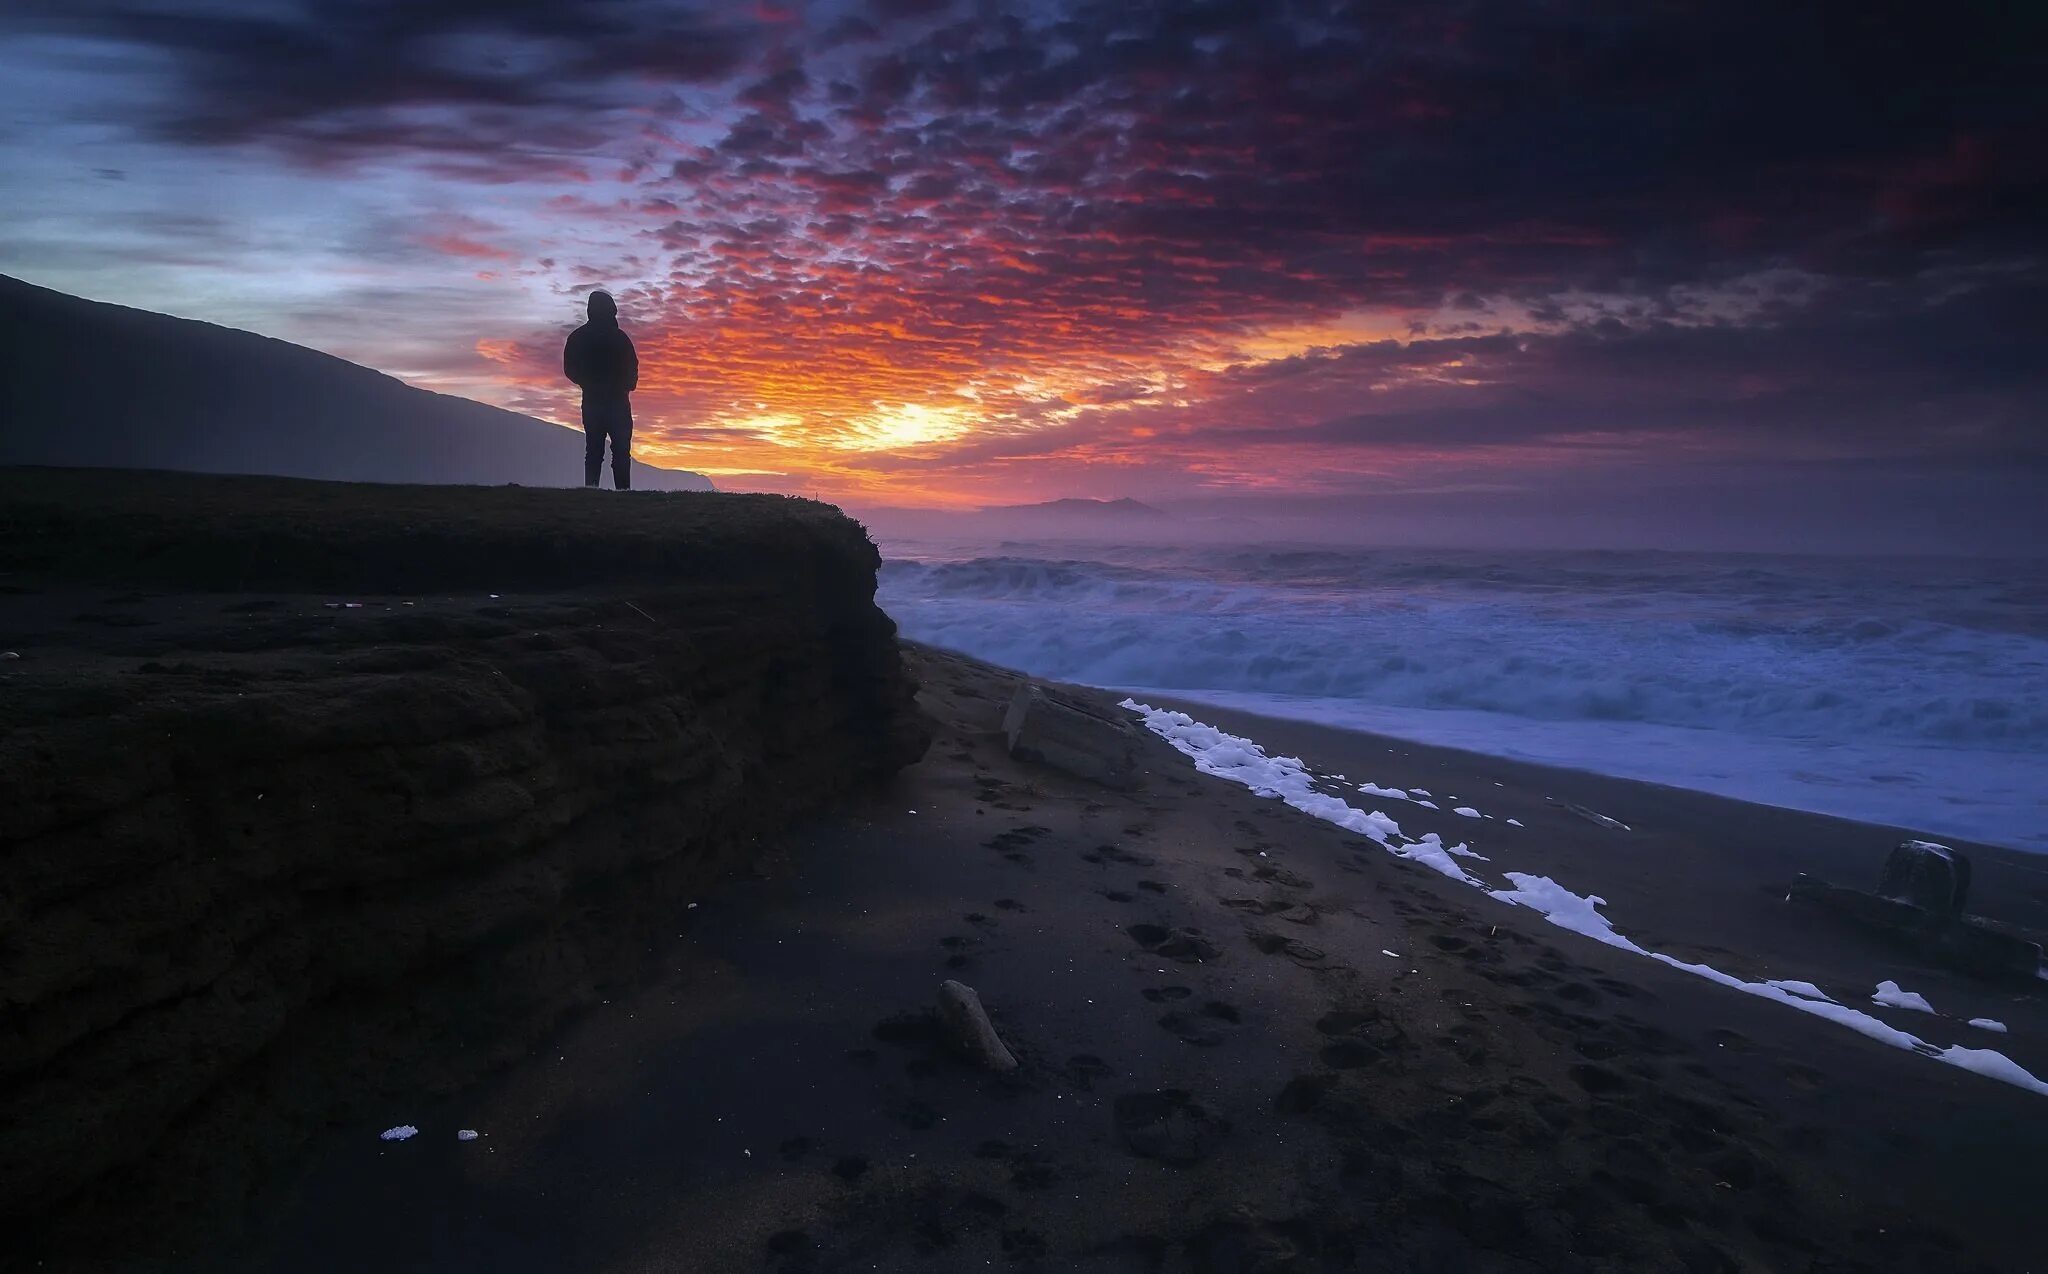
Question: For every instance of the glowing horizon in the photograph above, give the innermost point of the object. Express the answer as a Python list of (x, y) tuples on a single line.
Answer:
[(889, 252)]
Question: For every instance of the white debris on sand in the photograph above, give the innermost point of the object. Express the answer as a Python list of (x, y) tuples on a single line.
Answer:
[(1467, 811), (1563, 908), (1988, 1024), (404, 1132), (1888, 993), (1993, 1065), (1286, 778), (1463, 850), (465, 1134), (1807, 989), (1419, 791), (1566, 909), (1514, 822)]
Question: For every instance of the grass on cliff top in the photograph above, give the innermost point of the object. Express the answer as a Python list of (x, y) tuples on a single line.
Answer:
[(206, 531)]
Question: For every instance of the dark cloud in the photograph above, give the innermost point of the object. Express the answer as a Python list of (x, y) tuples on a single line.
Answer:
[(1703, 219), (1862, 379), (332, 79)]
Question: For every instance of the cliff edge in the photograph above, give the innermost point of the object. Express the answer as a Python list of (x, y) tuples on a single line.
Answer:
[(321, 792), (90, 383)]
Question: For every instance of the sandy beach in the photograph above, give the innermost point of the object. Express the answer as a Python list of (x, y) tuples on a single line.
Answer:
[(1044, 636), (1249, 1040)]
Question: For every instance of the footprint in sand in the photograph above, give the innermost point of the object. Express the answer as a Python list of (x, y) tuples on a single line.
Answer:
[(1282, 876), (1598, 1080), (1209, 1025), (914, 1115), (1257, 906), (1185, 945), (796, 1245), (960, 950), (850, 1168), (1029, 1169), (1168, 1126), (1454, 945), (1280, 944), (1359, 1038), (1085, 1068), (1011, 844), (1111, 854)]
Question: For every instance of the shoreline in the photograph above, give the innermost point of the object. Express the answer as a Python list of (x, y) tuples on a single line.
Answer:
[(1654, 737), (1895, 697), (1249, 1040), (1688, 855)]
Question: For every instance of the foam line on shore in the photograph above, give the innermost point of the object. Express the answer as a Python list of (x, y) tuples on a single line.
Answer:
[(1285, 778), (1288, 779)]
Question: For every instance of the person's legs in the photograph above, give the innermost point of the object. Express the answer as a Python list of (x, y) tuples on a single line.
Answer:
[(622, 448), (593, 445)]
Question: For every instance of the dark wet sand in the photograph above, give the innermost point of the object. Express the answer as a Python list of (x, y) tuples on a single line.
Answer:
[(1222, 1070), (1697, 876)]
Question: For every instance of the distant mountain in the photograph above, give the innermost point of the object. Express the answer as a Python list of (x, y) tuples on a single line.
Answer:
[(86, 383), (1071, 507)]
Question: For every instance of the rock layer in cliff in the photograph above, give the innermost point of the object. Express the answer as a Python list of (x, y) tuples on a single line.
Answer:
[(320, 792)]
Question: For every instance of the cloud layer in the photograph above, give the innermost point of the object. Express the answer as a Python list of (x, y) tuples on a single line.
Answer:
[(921, 251)]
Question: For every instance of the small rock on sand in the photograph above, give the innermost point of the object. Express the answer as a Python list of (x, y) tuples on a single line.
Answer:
[(1071, 735), (967, 1025)]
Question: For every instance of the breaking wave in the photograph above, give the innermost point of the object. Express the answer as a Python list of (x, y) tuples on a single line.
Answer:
[(1911, 652)]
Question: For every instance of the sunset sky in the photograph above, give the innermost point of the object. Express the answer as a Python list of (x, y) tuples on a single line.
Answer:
[(926, 253)]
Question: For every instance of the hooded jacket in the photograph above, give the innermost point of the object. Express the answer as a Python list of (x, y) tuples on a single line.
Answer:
[(599, 356)]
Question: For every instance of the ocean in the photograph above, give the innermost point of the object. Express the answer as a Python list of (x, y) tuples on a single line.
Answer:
[(1908, 691)]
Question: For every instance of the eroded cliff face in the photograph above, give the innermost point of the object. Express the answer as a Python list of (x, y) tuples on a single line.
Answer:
[(268, 856)]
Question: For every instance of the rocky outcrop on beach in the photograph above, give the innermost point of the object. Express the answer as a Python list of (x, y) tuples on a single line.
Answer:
[(319, 792)]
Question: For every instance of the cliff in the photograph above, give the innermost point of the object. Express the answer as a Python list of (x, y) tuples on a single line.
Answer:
[(318, 793), (89, 383)]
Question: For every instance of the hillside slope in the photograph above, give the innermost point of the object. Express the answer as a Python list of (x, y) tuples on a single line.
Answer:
[(94, 384)]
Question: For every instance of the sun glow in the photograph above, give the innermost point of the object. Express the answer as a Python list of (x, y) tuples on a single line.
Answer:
[(903, 425)]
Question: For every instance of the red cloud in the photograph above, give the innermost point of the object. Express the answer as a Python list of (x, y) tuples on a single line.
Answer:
[(455, 245)]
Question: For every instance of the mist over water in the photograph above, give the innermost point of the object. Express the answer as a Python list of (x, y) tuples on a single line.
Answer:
[(1906, 691)]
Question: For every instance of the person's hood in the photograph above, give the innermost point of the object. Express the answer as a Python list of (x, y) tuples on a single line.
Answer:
[(603, 309)]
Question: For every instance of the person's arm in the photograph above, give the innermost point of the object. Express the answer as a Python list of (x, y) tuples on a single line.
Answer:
[(572, 360), (632, 367)]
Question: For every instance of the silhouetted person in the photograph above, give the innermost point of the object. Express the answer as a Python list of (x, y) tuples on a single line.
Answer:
[(600, 358)]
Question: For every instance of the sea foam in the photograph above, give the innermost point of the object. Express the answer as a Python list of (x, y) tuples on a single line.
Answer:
[(1906, 692)]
